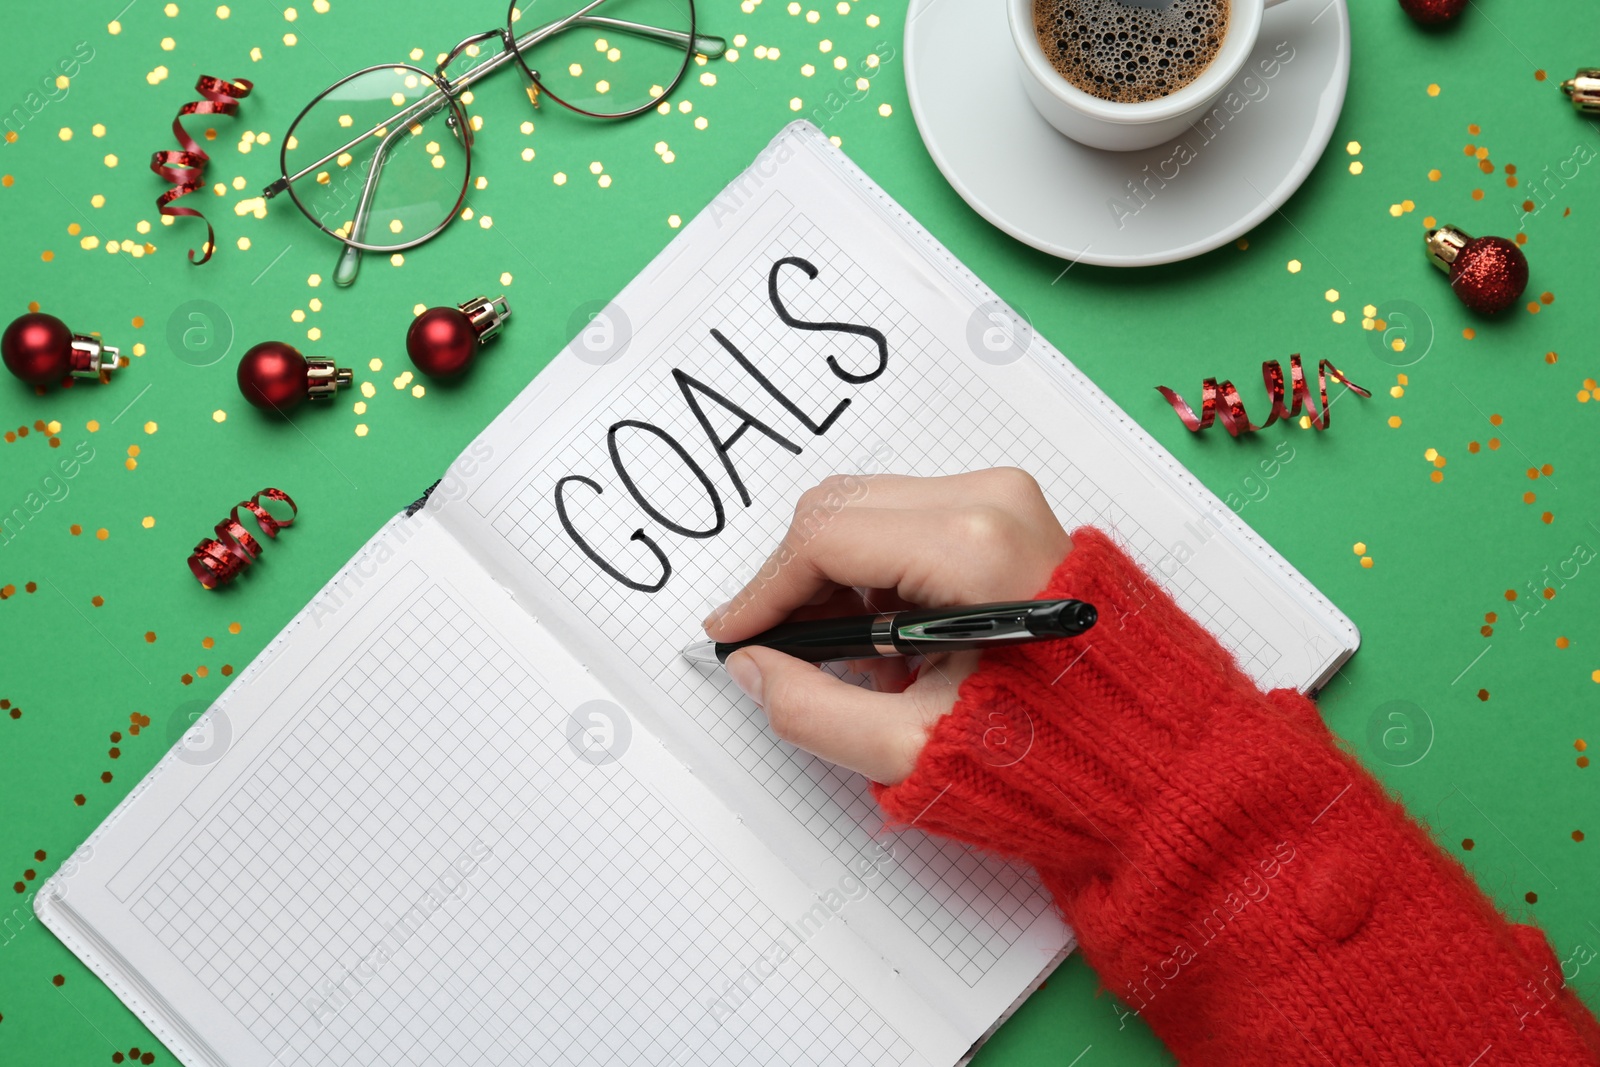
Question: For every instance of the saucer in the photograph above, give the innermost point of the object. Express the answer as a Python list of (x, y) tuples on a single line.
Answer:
[(1124, 209)]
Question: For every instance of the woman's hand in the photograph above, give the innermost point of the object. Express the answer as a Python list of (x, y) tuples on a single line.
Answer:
[(862, 543)]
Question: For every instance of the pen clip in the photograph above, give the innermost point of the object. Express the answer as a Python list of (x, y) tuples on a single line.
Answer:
[(1003, 623)]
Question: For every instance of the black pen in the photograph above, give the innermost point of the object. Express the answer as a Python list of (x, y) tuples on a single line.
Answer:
[(915, 632)]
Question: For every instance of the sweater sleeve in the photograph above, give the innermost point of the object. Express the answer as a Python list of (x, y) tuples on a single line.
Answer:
[(1233, 875)]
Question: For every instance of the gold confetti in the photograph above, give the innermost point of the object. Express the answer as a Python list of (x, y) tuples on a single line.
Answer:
[(1294, 266)]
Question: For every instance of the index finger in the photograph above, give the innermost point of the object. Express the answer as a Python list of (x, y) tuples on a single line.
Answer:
[(862, 547)]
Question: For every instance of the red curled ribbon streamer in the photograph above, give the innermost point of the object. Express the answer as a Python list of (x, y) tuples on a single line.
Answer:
[(1221, 399), (186, 168), (217, 561)]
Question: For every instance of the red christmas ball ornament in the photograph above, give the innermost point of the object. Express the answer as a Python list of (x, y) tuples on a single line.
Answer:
[(1487, 273), (276, 377), (39, 349), (1432, 12), (443, 341)]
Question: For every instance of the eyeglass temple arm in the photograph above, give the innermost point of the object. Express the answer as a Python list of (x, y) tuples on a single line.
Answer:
[(350, 258), (706, 44)]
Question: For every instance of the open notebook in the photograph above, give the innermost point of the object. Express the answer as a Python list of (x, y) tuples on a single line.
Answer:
[(470, 807)]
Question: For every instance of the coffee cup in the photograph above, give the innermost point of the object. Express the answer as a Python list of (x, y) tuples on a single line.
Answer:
[(1121, 126)]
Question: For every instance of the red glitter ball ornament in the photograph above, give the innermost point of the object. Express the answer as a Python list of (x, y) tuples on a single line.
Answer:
[(1488, 274), (443, 341), (276, 377), (41, 350), (1432, 12)]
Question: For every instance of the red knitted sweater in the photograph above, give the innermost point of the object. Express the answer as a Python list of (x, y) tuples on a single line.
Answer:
[(1233, 875)]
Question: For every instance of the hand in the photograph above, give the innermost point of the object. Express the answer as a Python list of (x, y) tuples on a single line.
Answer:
[(865, 543)]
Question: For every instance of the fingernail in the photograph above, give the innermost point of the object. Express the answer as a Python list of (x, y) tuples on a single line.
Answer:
[(745, 674), (716, 614)]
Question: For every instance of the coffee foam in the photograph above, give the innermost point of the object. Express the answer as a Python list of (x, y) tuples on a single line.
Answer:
[(1129, 54)]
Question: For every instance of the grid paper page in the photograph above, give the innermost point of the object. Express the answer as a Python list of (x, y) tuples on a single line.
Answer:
[(968, 910), (532, 908)]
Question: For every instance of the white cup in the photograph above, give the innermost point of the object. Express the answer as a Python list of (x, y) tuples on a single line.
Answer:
[(1119, 126)]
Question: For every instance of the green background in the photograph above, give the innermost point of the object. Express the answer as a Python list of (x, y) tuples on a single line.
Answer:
[(1497, 720)]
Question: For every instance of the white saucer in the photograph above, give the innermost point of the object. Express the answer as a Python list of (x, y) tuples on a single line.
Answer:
[(965, 83)]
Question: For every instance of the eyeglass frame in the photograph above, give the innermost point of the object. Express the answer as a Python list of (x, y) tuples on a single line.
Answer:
[(447, 92)]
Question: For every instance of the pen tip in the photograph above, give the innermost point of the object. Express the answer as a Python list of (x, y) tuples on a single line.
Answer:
[(701, 652)]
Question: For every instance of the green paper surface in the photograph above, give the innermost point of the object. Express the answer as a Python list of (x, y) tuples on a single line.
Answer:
[(1488, 745)]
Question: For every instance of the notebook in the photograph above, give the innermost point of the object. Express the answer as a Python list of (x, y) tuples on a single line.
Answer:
[(471, 806)]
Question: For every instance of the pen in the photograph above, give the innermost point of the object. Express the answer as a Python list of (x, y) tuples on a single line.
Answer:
[(915, 632)]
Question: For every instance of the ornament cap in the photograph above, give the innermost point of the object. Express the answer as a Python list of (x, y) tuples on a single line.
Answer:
[(1444, 245), (91, 358), (324, 378), (486, 316), (1583, 89)]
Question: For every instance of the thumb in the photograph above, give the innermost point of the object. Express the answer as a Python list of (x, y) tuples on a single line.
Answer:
[(877, 734)]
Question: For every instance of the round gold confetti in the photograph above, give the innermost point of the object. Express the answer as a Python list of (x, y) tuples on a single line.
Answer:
[(219, 416), (1356, 168), (361, 429), (1294, 266)]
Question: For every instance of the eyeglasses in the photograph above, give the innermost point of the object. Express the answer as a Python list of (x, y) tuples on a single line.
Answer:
[(408, 123)]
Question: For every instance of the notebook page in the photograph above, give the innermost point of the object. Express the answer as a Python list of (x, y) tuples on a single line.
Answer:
[(415, 832), (626, 573)]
